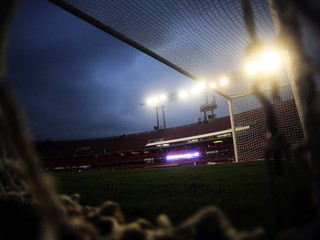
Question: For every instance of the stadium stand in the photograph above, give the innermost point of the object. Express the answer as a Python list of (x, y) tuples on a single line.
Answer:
[(211, 141), (139, 140), (66, 153), (73, 148)]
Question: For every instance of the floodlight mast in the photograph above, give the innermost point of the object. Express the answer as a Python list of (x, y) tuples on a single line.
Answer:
[(163, 117), (159, 103), (158, 127)]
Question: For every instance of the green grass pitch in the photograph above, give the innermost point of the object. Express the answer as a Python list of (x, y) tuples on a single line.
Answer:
[(240, 190)]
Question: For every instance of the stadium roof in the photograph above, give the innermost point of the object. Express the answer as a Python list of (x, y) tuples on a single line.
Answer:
[(200, 39)]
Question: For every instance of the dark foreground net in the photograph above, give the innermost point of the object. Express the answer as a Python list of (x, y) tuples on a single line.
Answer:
[(31, 208)]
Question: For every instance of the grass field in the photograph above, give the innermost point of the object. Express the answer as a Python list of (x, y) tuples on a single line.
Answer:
[(240, 190)]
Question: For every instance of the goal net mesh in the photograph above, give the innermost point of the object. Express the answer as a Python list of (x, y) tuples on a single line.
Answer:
[(248, 111), (189, 48), (200, 39)]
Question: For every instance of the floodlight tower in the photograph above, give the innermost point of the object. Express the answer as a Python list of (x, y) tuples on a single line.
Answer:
[(208, 106), (161, 106), (158, 102)]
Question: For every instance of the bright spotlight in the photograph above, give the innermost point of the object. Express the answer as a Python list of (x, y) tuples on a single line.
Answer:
[(198, 88), (266, 61), (224, 81), (212, 85), (195, 91), (152, 101), (163, 98), (183, 94), (269, 61), (251, 68), (201, 86)]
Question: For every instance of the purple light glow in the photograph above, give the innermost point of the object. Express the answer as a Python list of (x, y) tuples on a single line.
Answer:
[(187, 155)]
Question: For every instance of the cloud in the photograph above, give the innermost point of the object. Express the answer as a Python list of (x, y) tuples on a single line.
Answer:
[(53, 67)]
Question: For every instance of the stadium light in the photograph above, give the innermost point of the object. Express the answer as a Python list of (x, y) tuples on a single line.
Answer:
[(152, 101), (201, 85), (212, 85), (251, 68), (163, 98), (264, 62), (158, 102), (183, 94), (270, 61), (198, 88), (195, 91), (224, 81)]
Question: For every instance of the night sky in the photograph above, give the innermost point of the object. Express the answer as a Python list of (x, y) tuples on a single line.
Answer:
[(76, 81)]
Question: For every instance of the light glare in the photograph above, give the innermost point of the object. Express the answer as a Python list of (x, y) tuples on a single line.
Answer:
[(251, 68), (156, 100), (198, 88), (163, 98), (189, 155), (212, 85), (269, 61), (152, 101), (201, 86), (224, 81), (195, 91), (263, 62), (183, 94)]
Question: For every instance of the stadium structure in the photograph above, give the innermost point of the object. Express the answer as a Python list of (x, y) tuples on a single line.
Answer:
[(200, 39), (206, 142), (196, 38)]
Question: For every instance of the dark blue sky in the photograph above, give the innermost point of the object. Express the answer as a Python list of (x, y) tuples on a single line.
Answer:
[(75, 81)]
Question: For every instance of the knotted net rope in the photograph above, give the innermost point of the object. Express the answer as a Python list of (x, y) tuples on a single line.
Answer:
[(32, 208)]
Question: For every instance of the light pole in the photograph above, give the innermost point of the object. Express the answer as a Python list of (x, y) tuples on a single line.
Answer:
[(158, 102), (157, 114), (163, 117)]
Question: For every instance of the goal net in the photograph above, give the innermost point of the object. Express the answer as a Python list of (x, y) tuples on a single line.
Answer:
[(249, 111)]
